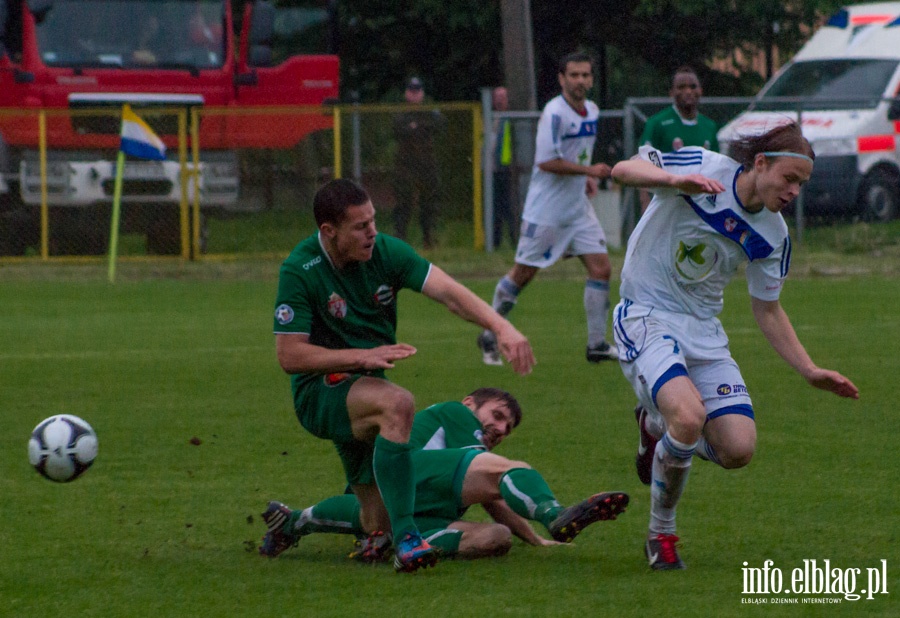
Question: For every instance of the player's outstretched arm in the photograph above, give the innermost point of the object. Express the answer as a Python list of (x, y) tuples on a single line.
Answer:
[(640, 173), (777, 328), (297, 355), (564, 167), (461, 301)]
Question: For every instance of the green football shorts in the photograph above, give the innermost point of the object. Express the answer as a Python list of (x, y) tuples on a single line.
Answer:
[(439, 482), (321, 407)]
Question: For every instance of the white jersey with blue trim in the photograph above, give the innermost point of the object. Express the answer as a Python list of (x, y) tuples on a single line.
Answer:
[(686, 248), (562, 133)]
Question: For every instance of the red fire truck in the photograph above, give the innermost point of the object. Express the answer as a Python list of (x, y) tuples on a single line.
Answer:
[(173, 54)]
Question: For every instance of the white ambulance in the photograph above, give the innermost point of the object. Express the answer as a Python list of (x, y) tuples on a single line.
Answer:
[(842, 81)]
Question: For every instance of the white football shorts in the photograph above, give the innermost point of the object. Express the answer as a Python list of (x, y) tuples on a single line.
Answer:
[(543, 245), (656, 346)]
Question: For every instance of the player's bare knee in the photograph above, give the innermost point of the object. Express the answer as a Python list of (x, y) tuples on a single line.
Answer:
[(522, 275), (686, 423), (398, 409), (497, 466), (601, 273), (737, 456), (507, 464)]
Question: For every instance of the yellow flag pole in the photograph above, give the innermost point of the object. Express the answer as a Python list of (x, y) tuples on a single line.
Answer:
[(116, 210)]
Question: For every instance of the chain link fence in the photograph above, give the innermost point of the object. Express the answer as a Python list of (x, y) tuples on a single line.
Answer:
[(856, 177), (234, 180), (60, 174), (510, 182), (241, 181), (617, 138)]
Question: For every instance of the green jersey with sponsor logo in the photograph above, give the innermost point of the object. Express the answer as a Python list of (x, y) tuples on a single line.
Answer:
[(668, 131), (446, 425), (355, 307)]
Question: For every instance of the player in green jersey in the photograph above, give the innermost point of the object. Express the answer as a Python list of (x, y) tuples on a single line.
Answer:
[(454, 470), (682, 124), (335, 328)]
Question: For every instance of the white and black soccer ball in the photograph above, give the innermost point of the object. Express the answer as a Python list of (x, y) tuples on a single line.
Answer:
[(62, 447)]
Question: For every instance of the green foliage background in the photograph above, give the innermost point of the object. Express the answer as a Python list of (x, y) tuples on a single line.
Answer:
[(457, 46)]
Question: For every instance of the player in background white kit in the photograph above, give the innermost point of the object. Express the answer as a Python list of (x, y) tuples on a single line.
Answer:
[(558, 218), (709, 214)]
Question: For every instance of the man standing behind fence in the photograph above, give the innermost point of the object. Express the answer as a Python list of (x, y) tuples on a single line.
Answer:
[(559, 219), (416, 172)]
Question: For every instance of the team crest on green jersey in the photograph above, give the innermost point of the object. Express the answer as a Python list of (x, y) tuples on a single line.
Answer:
[(384, 295), (695, 262), (337, 306)]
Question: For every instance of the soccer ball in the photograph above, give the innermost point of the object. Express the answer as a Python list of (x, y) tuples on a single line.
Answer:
[(62, 447)]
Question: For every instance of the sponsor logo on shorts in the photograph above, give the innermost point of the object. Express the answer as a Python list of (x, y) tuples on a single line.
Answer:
[(384, 295), (284, 314), (337, 306), (731, 389), (654, 159), (333, 379)]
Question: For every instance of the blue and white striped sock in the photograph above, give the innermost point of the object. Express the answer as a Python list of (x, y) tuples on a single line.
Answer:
[(706, 451), (505, 295), (671, 465)]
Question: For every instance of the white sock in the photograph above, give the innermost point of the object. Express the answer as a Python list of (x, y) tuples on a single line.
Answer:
[(596, 306), (654, 423), (671, 465), (706, 451)]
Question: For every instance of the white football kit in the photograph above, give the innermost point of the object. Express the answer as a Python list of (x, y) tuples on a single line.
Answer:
[(682, 254), (558, 217)]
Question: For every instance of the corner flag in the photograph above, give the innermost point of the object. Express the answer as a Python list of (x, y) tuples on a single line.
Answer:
[(138, 139)]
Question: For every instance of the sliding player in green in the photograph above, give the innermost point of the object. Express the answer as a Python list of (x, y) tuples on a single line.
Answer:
[(454, 470)]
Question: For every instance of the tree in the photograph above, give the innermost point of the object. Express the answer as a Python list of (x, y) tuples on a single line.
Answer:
[(643, 41), (453, 46), (456, 46)]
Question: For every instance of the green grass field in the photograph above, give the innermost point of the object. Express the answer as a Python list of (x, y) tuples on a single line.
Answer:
[(163, 527)]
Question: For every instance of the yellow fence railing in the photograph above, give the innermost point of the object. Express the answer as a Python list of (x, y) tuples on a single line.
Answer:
[(233, 176)]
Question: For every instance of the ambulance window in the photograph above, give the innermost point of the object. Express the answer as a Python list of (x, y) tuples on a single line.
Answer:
[(830, 84)]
